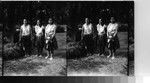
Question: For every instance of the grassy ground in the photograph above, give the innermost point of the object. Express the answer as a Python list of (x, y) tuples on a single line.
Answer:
[(35, 66), (97, 65)]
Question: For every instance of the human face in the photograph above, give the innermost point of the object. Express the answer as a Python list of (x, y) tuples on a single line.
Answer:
[(38, 22), (86, 20), (112, 20), (100, 21), (50, 21), (24, 21)]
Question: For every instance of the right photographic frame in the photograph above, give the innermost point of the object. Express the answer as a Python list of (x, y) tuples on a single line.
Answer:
[(100, 38)]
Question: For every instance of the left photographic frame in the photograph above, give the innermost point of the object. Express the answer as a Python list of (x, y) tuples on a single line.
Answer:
[(30, 47)]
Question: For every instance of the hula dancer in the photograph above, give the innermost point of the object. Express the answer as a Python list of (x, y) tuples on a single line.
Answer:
[(113, 41), (50, 40), (39, 37), (25, 34)]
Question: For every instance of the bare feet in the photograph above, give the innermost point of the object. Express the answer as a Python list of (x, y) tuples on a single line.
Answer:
[(40, 56), (51, 58), (46, 57), (108, 56), (102, 54), (113, 57)]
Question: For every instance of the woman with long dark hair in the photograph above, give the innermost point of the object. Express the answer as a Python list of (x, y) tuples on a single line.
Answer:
[(113, 41), (50, 40)]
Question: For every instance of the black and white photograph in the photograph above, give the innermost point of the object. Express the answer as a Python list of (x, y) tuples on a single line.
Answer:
[(34, 38), (67, 38), (100, 39)]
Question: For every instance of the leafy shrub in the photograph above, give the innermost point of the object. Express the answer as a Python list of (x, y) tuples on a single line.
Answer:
[(12, 51), (75, 50), (61, 28)]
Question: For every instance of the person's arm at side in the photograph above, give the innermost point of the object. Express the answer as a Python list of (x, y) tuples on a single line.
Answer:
[(54, 31), (107, 30), (31, 32), (116, 30), (93, 31), (82, 33), (45, 33), (20, 34)]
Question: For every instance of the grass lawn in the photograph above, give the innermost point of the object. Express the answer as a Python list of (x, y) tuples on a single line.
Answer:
[(100, 65), (39, 66)]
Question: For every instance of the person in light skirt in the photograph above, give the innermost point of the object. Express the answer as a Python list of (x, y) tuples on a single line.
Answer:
[(112, 37), (50, 39)]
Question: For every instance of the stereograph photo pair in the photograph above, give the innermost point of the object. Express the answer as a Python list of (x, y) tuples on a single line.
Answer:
[(67, 38)]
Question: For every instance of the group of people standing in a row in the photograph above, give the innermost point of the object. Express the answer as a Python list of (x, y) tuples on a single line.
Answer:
[(43, 37), (106, 37)]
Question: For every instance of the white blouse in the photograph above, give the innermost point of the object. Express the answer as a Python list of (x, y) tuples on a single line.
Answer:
[(112, 28), (25, 30), (39, 30), (87, 29), (50, 30), (101, 29)]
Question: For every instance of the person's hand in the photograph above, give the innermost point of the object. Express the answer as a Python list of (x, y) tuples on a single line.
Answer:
[(17, 29), (109, 37)]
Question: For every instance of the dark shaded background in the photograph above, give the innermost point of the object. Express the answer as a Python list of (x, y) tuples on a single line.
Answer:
[(71, 13)]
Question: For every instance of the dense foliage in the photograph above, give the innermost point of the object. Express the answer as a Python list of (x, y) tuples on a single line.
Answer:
[(70, 13)]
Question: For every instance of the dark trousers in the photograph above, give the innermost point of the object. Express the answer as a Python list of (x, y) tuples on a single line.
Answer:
[(26, 43), (101, 43), (88, 41), (40, 44)]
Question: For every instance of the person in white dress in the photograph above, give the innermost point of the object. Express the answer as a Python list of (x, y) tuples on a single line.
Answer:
[(25, 37), (50, 40), (87, 36), (112, 38), (101, 41), (39, 33)]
